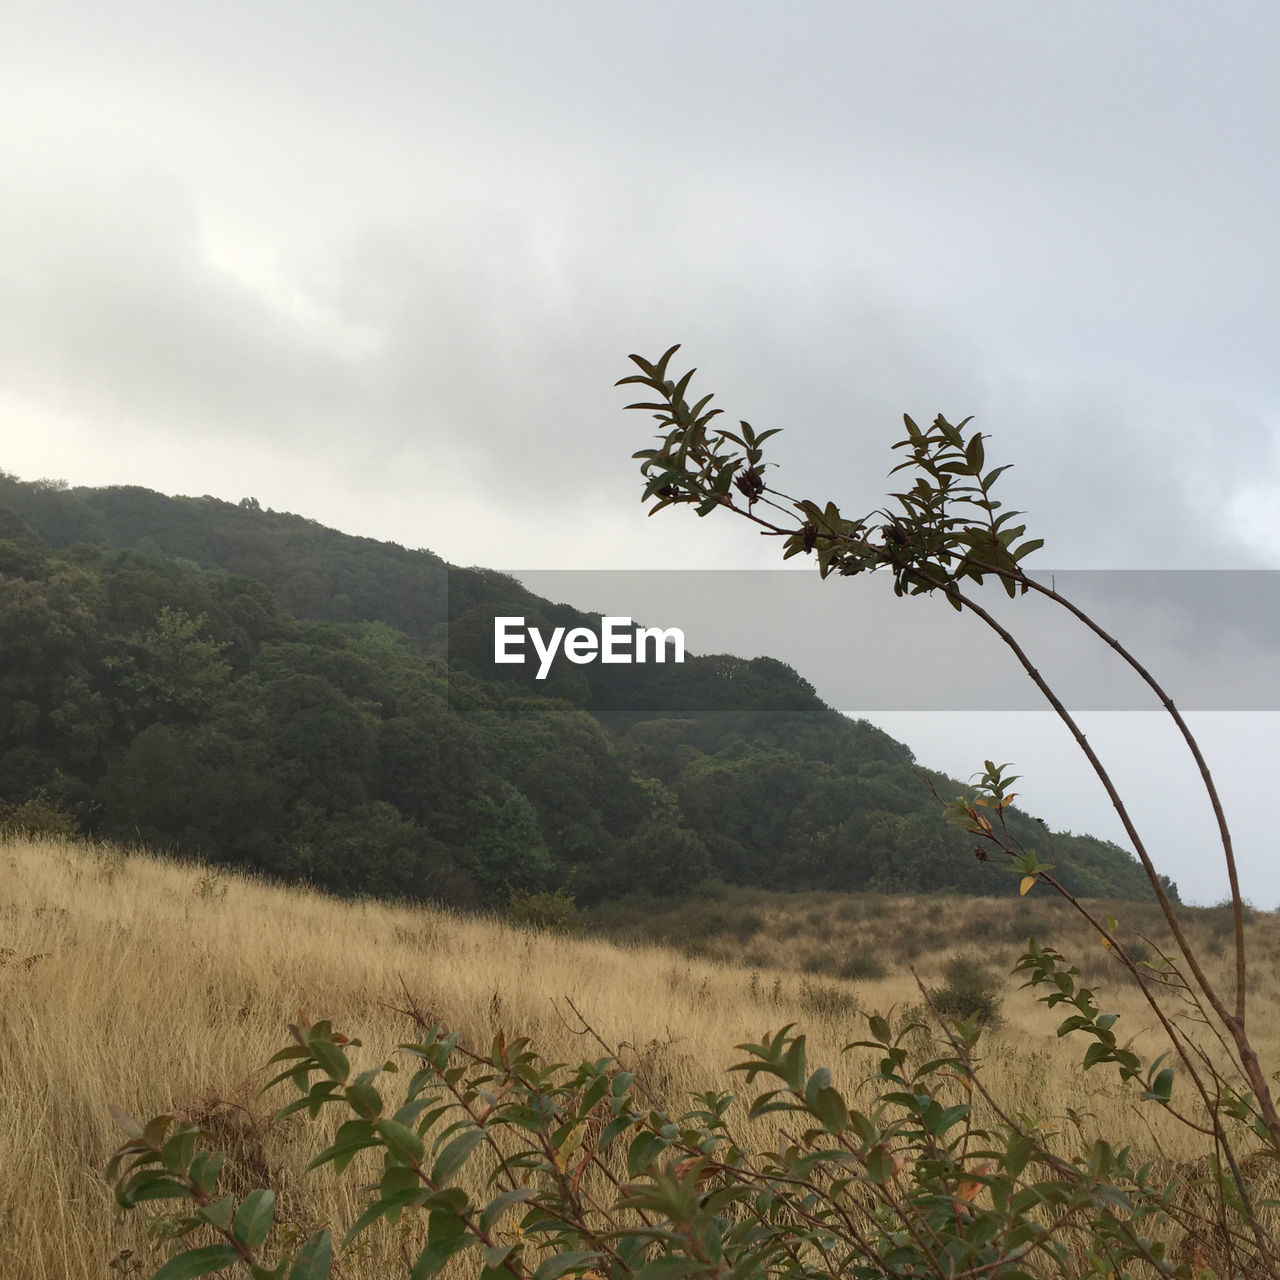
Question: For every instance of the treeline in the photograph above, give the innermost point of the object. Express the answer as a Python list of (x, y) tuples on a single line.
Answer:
[(157, 694)]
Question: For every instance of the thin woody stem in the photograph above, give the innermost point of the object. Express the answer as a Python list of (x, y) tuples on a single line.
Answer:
[(1247, 1054), (1206, 777)]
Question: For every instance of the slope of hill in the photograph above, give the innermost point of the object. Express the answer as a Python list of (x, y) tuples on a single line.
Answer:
[(262, 691)]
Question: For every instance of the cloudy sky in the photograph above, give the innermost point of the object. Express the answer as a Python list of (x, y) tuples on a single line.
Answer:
[(382, 263)]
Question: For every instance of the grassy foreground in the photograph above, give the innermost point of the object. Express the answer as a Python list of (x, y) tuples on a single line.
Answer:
[(154, 985)]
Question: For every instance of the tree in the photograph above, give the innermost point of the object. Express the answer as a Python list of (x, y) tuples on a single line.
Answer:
[(662, 855), (506, 850)]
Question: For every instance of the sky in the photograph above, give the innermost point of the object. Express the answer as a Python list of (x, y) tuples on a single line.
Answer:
[(381, 264)]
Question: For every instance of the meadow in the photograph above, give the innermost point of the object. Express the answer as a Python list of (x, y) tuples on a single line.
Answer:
[(150, 984)]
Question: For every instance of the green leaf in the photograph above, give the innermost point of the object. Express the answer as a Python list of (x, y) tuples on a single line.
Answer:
[(331, 1059), (1162, 1085), (613, 1129), (660, 369), (401, 1140), (793, 1064), (1096, 1053), (644, 1149), (389, 1206), (410, 1113), (353, 1136), (397, 1178), (254, 1217), (494, 1256), (949, 1117), (198, 1262), (670, 1266), (219, 1212), (1020, 1150), (879, 1165), (177, 1152), (446, 1235), (560, 1264), (314, 1258), (973, 454), (454, 1156), (205, 1168), (153, 1132), (830, 1108), (496, 1207), (365, 1100), (683, 385), (153, 1185), (288, 1053)]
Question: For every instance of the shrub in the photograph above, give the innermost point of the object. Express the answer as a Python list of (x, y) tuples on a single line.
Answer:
[(863, 966), (969, 990), (35, 818), (553, 912), (828, 1003), (712, 923), (578, 1172)]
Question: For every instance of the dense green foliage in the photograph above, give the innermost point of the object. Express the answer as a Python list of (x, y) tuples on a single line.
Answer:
[(525, 1169), (262, 691)]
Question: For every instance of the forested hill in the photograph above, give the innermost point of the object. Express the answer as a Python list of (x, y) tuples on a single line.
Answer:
[(257, 689)]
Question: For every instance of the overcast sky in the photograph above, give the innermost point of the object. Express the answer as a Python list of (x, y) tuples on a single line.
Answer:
[(381, 264)]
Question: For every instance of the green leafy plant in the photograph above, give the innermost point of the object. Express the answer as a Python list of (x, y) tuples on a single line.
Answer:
[(553, 912), (523, 1168), (37, 818)]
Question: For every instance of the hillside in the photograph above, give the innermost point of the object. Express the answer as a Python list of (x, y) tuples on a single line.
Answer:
[(255, 689)]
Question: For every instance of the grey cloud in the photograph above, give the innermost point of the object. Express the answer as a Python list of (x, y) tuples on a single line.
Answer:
[(113, 307), (488, 353), (995, 210)]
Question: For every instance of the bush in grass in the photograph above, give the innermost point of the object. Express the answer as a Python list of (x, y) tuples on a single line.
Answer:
[(969, 990), (553, 912), (36, 818), (863, 966)]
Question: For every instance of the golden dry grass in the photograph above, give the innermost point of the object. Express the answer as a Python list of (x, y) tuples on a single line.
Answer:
[(160, 985)]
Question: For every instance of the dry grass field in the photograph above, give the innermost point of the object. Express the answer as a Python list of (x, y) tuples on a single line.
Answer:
[(154, 985)]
